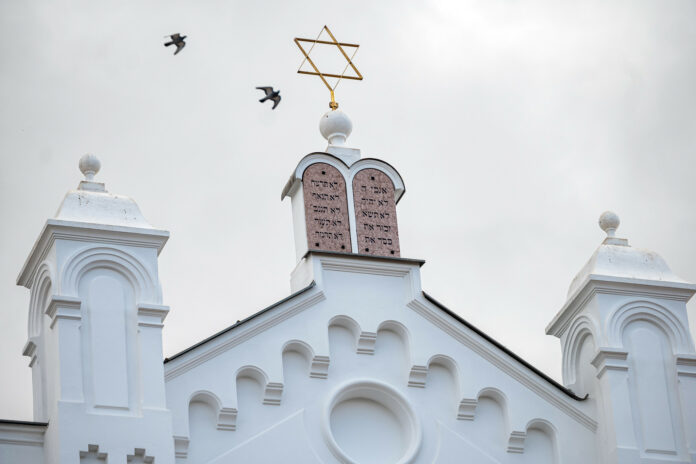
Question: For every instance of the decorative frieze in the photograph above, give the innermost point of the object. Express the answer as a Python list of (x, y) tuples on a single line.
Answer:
[(516, 442), (63, 307), (30, 351), (686, 365), (320, 367), (610, 359), (140, 457), (417, 376), (227, 419), (181, 445), (366, 343), (467, 409), (273, 393), (93, 455)]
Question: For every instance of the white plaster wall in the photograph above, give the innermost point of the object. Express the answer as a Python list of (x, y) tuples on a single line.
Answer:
[(11, 453), (255, 390), (635, 336), (21, 443), (95, 343)]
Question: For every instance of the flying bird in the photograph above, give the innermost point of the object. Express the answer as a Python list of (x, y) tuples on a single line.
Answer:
[(178, 40), (270, 95)]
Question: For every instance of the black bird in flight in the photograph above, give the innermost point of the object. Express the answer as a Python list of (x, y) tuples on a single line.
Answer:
[(178, 40), (270, 95)]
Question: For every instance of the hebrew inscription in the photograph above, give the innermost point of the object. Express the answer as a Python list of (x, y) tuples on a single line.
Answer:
[(375, 213), (326, 208)]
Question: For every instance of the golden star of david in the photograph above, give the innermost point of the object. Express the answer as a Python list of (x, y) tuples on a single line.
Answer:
[(340, 45)]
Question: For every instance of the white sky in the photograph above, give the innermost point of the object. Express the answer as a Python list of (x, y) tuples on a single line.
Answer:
[(514, 125)]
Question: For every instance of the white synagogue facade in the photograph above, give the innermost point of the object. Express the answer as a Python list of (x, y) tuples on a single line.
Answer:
[(327, 375)]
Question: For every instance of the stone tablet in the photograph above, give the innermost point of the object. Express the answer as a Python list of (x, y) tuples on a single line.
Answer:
[(375, 213), (326, 208)]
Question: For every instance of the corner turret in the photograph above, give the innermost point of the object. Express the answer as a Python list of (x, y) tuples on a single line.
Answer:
[(626, 344), (95, 328)]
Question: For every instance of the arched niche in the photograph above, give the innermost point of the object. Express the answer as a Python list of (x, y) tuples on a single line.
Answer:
[(344, 334), (653, 387), (392, 350), (578, 333), (251, 385), (41, 291), (442, 385), (142, 280), (203, 412), (297, 361), (677, 333), (540, 443), (109, 333), (491, 424)]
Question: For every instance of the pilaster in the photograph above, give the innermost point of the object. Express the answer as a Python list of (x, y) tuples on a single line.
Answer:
[(95, 329), (628, 304)]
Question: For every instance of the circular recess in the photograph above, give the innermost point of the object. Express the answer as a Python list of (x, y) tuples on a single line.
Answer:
[(368, 422)]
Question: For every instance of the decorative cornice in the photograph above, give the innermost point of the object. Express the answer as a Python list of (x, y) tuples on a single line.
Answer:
[(597, 284), (56, 229), (417, 376), (686, 365), (29, 350), (366, 343), (610, 359), (504, 363), (467, 409), (319, 368), (516, 442), (366, 264), (181, 445), (63, 307), (227, 419), (273, 393), (22, 433), (243, 333), (152, 315)]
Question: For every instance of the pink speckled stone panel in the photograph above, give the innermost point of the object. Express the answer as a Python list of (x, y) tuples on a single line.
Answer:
[(326, 208), (375, 214)]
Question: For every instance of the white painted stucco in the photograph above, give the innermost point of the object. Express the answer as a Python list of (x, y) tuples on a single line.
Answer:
[(358, 365)]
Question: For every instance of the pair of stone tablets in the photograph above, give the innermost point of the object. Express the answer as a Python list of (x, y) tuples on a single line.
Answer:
[(328, 217)]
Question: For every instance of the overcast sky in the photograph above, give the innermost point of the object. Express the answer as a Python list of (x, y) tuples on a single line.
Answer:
[(514, 125)]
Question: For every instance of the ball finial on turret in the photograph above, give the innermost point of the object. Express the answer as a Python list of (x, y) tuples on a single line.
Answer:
[(609, 222), (335, 126), (89, 165)]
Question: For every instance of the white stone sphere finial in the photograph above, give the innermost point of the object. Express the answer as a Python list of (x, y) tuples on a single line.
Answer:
[(335, 126), (609, 222), (89, 165)]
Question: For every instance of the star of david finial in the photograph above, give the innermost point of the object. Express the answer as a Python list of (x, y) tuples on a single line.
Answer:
[(322, 75)]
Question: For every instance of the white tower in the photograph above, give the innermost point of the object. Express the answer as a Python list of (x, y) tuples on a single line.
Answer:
[(626, 343), (95, 323), (340, 202)]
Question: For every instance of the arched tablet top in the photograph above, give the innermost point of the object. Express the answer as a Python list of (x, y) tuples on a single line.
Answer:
[(388, 169), (347, 171)]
